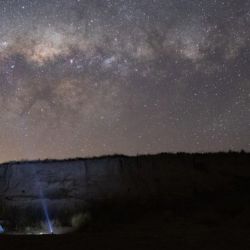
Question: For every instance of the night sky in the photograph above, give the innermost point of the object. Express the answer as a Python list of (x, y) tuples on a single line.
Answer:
[(90, 77)]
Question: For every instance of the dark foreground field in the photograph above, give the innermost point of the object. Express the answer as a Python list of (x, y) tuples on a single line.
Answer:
[(222, 223)]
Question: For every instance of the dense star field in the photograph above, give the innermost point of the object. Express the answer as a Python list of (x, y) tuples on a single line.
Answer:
[(91, 77)]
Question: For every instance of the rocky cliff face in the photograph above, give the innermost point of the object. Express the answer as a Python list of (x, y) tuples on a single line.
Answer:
[(71, 185)]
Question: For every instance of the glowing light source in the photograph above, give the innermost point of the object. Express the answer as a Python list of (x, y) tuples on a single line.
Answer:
[(1, 229)]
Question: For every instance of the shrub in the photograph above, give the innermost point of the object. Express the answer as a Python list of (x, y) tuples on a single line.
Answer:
[(80, 220)]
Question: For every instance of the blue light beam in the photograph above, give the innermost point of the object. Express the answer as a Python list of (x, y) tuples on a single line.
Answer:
[(45, 209), (44, 204)]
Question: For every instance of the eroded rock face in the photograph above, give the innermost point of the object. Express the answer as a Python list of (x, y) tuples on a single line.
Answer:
[(70, 182), (74, 184)]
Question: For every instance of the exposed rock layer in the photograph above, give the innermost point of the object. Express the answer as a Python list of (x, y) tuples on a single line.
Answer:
[(72, 184)]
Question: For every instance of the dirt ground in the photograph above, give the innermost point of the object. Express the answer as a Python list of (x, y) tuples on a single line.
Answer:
[(218, 226)]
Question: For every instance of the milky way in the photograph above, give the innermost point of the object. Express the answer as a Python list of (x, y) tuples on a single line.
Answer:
[(91, 77)]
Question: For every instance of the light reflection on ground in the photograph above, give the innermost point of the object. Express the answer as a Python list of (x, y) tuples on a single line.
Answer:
[(59, 230)]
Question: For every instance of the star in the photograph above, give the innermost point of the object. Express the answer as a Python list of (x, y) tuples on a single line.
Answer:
[(84, 78)]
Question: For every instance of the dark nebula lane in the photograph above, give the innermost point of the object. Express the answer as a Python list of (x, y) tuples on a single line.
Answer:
[(90, 77)]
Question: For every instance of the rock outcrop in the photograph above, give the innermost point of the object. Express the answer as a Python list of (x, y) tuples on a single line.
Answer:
[(70, 185)]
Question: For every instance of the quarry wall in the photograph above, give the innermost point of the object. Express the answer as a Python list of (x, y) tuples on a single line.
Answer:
[(72, 184)]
